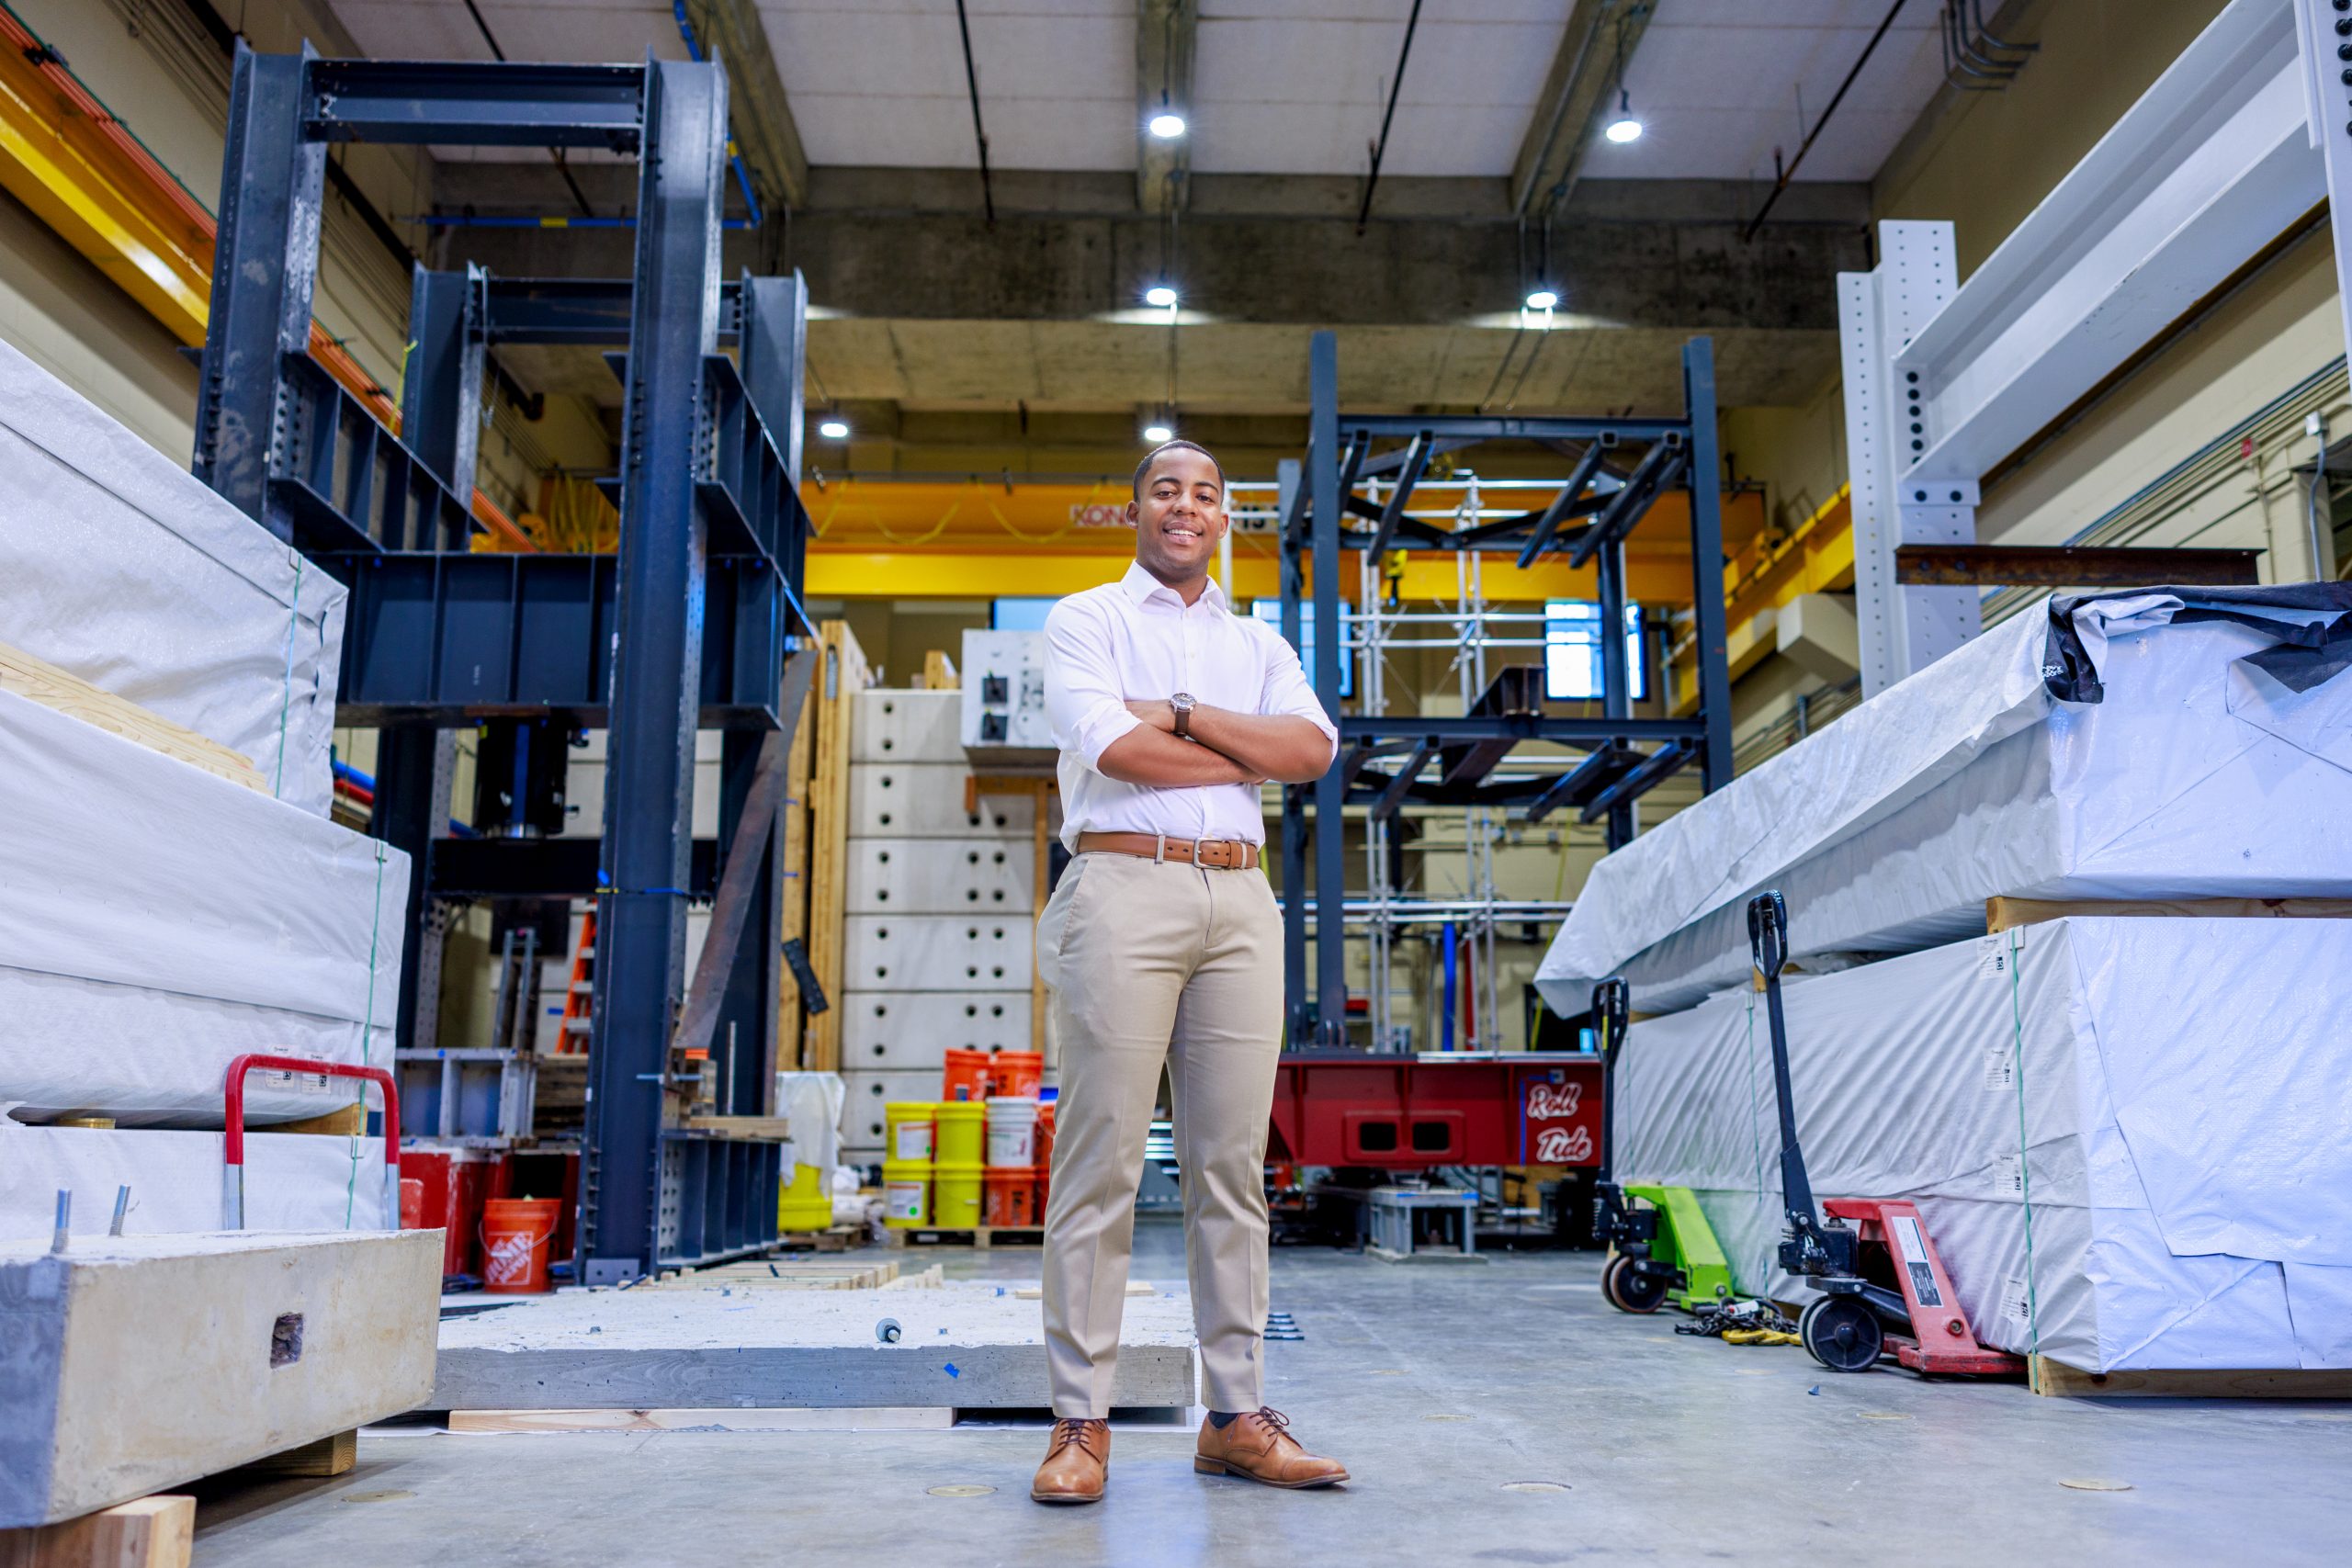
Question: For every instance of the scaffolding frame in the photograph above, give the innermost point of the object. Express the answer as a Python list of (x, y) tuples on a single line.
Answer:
[(1350, 493)]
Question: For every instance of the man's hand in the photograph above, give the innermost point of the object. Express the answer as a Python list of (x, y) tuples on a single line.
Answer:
[(1160, 716)]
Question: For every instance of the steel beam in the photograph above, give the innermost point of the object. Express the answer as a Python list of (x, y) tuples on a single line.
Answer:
[(2068, 566), (1704, 478), (1547, 522), (265, 263), (479, 104), (648, 791), (441, 385), (1330, 795), (1166, 31)]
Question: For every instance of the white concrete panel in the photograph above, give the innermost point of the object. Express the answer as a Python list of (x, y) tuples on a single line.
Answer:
[(938, 953), (940, 876)]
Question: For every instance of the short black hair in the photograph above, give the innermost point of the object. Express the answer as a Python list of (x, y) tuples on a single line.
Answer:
[(1154, 455)]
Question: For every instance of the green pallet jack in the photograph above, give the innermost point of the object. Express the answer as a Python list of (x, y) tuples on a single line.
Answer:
[(1661, 1246)]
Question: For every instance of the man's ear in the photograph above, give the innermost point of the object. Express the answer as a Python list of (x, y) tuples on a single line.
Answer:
[(1134, 514)]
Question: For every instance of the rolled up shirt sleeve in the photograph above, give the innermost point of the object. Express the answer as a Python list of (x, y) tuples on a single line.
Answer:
[(1286, 689), (1084, 703)]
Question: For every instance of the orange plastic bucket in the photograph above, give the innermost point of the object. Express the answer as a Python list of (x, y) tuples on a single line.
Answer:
[(1011, 1198), (967, 1074), (1017, 1075), (515, 1233)]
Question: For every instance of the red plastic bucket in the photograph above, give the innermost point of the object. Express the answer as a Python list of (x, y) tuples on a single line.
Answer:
[(967, 1074), (412, 1202), (1010, 1197), (515, 1233), (1017, 1075)]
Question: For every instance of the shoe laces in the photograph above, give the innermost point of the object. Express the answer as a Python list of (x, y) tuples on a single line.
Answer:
[(1277, 1425), (1072, 1429)]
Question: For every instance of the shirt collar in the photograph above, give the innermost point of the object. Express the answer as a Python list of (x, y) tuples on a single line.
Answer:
[(1140, 585)]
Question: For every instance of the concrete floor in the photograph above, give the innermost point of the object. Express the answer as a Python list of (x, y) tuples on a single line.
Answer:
[(1499, 1414)]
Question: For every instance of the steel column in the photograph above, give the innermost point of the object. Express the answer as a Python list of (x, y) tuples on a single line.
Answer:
[(265, 263), (648, 791), (1616, 680), (1290, 482), (415, 766), (1330, 790), (441, 388), (1705, 478)]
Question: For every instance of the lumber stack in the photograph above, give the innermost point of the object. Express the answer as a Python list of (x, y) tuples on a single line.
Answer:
[(2066, 917)]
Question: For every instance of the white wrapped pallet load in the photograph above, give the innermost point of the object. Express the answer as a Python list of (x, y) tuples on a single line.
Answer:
[(2127, 1136), (2169, 744), (120, 566), (156, 922)]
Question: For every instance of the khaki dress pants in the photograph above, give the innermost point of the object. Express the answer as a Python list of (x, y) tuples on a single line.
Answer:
[(1154, 963)]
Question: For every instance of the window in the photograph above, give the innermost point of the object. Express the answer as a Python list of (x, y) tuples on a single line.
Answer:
[(1271, 611), (1020, 615), (1572, 651)]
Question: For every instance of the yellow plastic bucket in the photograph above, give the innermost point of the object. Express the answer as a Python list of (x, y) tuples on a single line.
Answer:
[(962, 1133), (803, 1204), (906, 1193), (956, 1189), (907, 1136)]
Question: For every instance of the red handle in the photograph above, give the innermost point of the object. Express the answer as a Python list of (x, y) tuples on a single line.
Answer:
[(234, 1146)]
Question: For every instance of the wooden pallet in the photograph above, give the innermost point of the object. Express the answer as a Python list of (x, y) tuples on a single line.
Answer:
[(845, 673), (980, 1236), (2002, 913), (839, 1238), (152, 1532), (2060, 1381)]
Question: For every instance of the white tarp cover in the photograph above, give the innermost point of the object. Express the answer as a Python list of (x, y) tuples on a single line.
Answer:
[(2198, 775), (810, 1104), (156, 922), (294, 1181), (122, 567), (2162, 1098)]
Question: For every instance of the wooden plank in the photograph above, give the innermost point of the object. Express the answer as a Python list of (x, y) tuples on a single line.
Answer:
[(349, 1122), (2058, 1380), (845, 673), (791, 1017), (329, 1456), (2001, 913), (889, 1418), (775, 1127), (152, 1532), (45, 684), (939, 673)]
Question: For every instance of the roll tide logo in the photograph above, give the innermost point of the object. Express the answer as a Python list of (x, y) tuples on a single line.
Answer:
[(1558, 1124)]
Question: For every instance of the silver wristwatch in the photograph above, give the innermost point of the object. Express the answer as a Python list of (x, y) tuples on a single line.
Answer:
[(1181, 705)]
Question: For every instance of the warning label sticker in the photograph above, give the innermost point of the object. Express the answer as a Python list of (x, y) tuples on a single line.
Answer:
[(2017, 1301), (2000, 1068), (1994, 956)]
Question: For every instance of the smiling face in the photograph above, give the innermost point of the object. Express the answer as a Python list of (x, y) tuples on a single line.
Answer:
[(1179, 515)]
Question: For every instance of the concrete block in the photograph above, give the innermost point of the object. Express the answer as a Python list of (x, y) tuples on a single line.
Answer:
[(940, 953), (894, 726), (941, 876), (968, 1345), (884, 1032), (925, 800), (862, 1122), (132, 1364), (1817, 631)]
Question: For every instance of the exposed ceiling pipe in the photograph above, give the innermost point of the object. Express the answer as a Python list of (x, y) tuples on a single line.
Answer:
[(1395, 85), (1790, 173), (972, 84)]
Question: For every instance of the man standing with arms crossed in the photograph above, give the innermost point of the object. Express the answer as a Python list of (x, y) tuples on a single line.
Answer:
[(1162, 944)]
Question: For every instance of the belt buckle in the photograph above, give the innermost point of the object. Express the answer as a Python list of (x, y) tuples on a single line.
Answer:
[(1217, 853)]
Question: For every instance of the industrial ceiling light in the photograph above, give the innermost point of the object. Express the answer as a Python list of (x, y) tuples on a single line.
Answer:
[(1542, 299), (1161, 295), (1158, 433), (1627, 125), (1168, 125), (834, 428)]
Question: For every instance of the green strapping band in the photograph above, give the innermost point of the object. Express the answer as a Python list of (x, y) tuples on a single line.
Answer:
[(2025, 1176), (367, 1036), (285, 686)]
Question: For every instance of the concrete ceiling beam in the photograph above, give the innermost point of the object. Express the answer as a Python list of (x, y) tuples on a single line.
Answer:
[(1583, 82), (1165, 34), (764, 131)]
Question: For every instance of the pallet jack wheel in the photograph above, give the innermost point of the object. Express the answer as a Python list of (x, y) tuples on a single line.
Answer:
[(1841, 1334), (1628, 1290)]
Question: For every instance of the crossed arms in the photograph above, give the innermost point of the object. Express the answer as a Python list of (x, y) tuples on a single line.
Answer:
[(1225, 747)]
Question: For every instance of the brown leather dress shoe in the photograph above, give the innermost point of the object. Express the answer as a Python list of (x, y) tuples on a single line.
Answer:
[(1078, 1463), (1259, 1446)]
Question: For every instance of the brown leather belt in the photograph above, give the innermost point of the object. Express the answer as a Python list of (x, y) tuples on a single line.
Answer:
[(1218, 854)]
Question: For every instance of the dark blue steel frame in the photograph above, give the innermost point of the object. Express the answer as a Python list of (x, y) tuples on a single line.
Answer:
[(688, 626), (1597, 506)]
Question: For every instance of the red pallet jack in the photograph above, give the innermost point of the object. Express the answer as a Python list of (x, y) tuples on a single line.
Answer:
[(1883, 1286)]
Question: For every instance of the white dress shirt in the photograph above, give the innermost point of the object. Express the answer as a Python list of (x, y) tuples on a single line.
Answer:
[(1135, 640)]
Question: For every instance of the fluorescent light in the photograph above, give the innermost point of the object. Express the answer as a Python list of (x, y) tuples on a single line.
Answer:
[(1161, 295), (1542, 299), (834, 430), (1168, 125), (1158, 434)]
